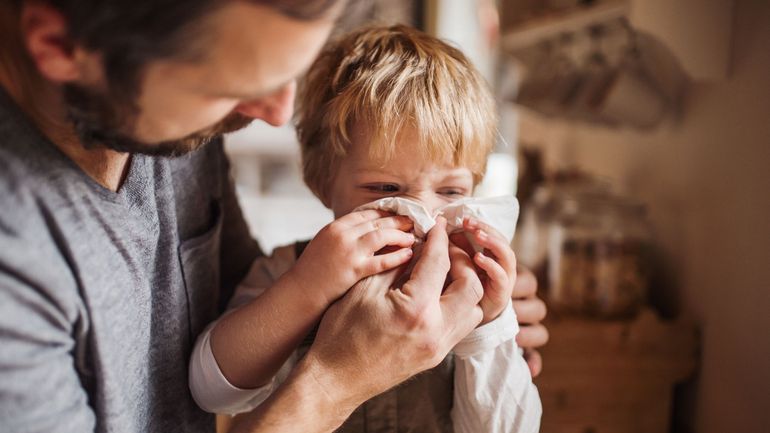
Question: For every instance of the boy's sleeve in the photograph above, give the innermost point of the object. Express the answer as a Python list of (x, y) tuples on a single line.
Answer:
[(493, 389), (209, 387), (214, 393)]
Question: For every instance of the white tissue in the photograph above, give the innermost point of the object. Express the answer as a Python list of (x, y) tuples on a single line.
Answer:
[(499, 212)]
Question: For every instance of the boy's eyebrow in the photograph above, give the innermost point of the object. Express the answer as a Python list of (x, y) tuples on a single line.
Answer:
[(456, 173), (370, 170)]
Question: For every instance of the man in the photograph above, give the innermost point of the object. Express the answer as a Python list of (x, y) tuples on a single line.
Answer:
[(114, 258)]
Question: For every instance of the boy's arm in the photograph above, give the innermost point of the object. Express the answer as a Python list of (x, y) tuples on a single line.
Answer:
[(210, 388), (251, 343), (493, 389)]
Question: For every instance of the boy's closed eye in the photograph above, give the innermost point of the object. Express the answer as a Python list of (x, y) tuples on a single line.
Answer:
[(453, 192), (391, 188), (382, 188)]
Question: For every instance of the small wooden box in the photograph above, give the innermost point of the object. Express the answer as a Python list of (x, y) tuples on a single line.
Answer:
[(613, 376)]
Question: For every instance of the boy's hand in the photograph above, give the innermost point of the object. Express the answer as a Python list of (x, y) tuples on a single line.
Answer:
[(497, 262), (530, 310), (344, 251)]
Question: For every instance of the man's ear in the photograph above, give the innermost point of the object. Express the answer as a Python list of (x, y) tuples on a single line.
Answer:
[(44, 31)]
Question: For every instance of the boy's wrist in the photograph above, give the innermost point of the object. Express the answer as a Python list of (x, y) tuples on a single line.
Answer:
[(307, 289)]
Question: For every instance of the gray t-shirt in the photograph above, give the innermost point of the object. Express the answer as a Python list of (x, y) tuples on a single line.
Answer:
[(102, 293)]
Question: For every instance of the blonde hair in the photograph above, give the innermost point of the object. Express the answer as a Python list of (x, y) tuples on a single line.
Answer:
[(390, 78)]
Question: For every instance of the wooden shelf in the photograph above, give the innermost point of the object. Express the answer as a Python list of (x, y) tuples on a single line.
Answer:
[(536, 30), (614, 376), (696, 34)]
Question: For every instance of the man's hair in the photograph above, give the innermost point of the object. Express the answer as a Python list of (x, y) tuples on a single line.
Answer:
[(129, 34), (387, 79)]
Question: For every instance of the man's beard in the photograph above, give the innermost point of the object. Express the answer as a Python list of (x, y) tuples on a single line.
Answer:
[(99, 121)]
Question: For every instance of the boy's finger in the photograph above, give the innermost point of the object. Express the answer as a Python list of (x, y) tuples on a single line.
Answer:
[(397, 222), (377, 240), (386, 262), (493, 269), (430, 271), (362, 216), (474, 225), (498, 247)]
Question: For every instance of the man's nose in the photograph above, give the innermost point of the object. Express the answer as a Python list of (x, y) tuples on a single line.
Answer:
[(275, 109)]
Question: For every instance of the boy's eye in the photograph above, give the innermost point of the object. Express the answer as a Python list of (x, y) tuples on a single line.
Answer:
[(382, 188), (452, 192)]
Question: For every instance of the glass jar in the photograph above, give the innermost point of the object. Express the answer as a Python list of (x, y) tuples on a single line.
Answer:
[(597, 256), (545, 207)]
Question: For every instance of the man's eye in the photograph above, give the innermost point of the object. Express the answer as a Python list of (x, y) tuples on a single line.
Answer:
[(383, 188)]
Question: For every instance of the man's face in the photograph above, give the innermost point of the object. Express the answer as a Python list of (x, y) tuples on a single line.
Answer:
[(252, 57)]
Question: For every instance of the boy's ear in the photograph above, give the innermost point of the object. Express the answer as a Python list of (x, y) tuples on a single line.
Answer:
[(45, 33)]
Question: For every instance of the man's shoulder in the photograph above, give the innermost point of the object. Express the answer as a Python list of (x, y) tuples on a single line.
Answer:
[(18, 184), (29, 164), (32, 266)]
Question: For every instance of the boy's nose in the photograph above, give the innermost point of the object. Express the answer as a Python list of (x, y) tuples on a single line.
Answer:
[(429, 201), (275, 108)]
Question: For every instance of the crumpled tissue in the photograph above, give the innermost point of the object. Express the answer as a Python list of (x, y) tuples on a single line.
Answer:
[(499, 212)]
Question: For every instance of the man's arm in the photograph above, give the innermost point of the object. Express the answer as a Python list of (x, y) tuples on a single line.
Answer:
[(530, 310), (40, 391), (375, 337)]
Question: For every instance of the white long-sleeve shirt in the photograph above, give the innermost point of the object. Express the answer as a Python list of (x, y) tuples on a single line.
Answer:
[(493, 390)]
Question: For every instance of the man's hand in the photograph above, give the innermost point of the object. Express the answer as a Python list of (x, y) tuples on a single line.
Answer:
[(377, 336), (530, 310), (344, 252)]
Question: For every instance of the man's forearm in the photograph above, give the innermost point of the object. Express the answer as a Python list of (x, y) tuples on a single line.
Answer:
[(303, 404)]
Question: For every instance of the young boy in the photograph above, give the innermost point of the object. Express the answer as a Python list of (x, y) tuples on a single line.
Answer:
[(384, 112)]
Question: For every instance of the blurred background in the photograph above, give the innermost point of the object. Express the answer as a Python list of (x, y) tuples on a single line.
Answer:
[(636, 135)]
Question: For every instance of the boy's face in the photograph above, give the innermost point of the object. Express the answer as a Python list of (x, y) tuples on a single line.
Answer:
[(360, 180)]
